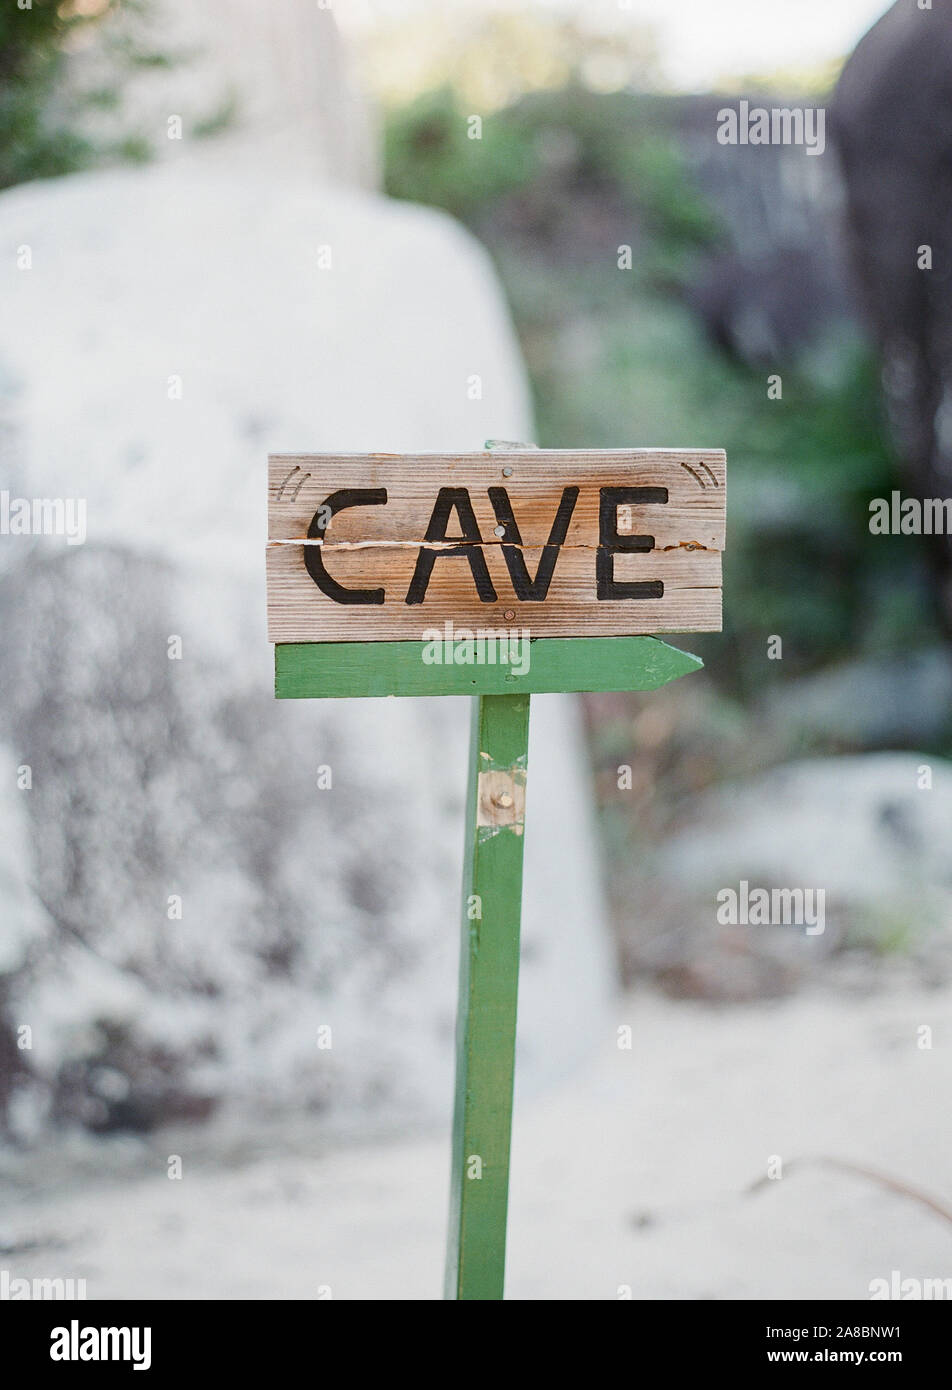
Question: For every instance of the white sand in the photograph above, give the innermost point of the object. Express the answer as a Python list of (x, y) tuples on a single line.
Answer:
[(672, 1132)]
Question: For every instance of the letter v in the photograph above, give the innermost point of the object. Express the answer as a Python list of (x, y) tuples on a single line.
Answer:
[(535, 590)]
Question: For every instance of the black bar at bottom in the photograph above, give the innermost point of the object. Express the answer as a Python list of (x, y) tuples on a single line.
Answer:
[(167, 1338)]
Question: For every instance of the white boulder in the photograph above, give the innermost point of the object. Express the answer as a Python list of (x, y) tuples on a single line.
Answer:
[(175, 325)]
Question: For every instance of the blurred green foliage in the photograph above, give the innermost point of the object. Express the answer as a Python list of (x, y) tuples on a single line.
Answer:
[(42, 133), (35, 142), (536, 165), (430, 158), (557, 183)]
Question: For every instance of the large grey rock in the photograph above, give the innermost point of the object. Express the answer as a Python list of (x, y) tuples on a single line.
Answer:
[(877, 702), (272, 80), (892, 122), (868, 831), (155, 777)]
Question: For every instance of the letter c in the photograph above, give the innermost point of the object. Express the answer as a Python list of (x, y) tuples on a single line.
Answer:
[(313, 554)]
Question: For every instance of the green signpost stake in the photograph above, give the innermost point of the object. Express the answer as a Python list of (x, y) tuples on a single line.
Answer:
[(488, 988), (598, 548)]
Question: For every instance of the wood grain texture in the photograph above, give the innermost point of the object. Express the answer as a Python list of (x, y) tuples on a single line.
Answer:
[(378, 546)]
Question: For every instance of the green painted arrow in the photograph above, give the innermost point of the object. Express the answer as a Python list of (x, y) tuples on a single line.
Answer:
[(315, 670)]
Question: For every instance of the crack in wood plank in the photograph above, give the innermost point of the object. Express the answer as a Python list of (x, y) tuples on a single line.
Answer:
[(494, 540)]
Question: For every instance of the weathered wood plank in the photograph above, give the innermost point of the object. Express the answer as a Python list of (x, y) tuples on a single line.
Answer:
[(694, 478), (329, 670), (558, 542), (298, 611)]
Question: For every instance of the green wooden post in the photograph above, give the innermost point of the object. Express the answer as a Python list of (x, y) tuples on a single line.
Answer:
[(488, 988)]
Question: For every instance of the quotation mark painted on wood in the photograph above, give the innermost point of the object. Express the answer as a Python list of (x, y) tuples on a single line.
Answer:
[(288, 490), (697, 477)]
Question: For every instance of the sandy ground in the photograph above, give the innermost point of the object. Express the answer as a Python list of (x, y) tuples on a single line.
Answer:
[(633, 1175)]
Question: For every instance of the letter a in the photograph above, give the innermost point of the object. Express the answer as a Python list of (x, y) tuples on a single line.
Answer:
[(448, 499)]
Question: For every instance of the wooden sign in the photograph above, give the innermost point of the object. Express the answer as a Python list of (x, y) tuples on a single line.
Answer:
[(552, 542), (375, 559)]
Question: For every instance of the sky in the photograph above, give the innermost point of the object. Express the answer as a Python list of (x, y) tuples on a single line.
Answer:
[(700, 40)]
